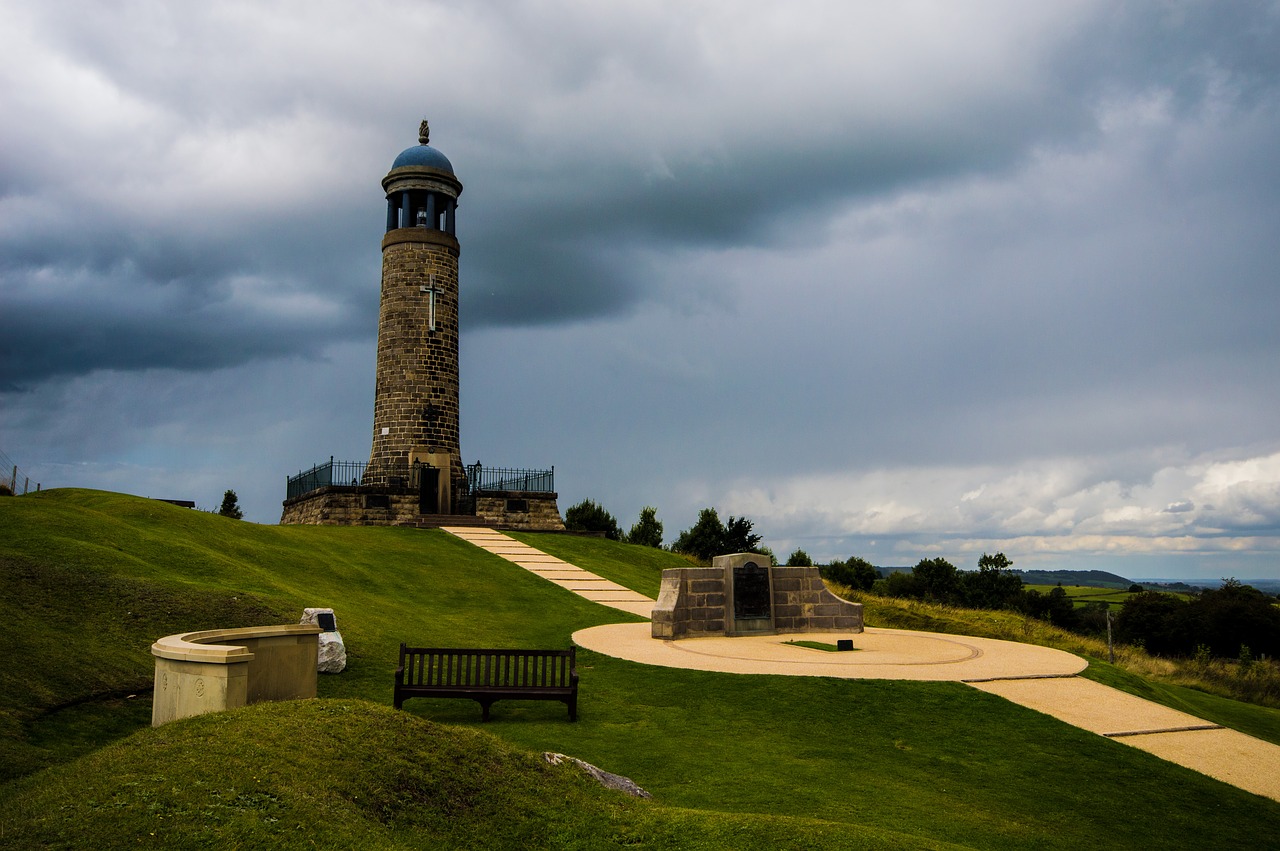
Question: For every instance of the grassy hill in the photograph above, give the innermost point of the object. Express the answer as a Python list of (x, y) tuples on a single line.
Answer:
[(88, 580), (1088, 578)]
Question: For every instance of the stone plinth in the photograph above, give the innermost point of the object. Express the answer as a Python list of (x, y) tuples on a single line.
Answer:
[(697, 601), (216, 669), (532, 511), (343, 505)]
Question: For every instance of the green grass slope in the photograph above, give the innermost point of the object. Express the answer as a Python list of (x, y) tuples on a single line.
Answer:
[(734, 761), (91, 579), (352, 774), (638, 568)]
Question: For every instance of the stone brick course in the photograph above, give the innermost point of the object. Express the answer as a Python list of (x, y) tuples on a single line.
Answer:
[(416, 390), (693, 602)]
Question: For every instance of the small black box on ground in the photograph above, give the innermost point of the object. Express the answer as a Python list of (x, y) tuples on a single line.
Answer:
[(844, 644)]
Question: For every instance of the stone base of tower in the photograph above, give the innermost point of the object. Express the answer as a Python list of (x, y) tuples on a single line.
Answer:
[(337, 505), (535, 511)]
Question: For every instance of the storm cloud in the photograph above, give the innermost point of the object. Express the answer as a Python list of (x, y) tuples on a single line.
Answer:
[(929, 278)]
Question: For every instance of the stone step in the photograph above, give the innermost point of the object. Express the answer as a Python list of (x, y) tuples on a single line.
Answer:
[(435, 521)]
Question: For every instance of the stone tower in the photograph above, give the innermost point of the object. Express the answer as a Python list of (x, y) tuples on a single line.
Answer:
[(415, 409)]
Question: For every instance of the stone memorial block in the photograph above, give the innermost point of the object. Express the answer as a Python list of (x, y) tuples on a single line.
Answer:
[(742, 594)]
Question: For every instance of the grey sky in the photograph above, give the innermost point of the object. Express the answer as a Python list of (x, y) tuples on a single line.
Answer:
[(892, 280)]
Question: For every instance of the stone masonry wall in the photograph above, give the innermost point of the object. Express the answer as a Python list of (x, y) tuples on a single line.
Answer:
[(416, 395), (344, 506), (502, 509), (692, 602)]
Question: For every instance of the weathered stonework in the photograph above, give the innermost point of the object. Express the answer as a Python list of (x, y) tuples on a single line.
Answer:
[(338, 505), (415, 472), (536, 512), (415, 411), (347, 506), (696, 601)]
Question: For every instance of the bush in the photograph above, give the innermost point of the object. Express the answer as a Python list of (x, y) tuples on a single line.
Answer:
[(587, 516), (709, 537), (231, 506), (648, 529), (856, 573), (799, 558)]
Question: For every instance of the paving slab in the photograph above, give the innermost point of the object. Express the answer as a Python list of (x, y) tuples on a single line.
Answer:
[(1228, 755), (1093, 706), (882, 654), (568, 576)]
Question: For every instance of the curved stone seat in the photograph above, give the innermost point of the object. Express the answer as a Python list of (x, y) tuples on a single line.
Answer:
[(215, 669)]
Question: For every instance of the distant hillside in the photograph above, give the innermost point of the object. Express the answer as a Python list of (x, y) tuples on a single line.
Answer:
[(1093, 578)]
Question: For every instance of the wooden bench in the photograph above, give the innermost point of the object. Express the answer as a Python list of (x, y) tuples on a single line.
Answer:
[(488, 675)]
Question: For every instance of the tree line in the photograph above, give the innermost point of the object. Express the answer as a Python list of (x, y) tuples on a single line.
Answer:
[(1234, 621), (703, 541)]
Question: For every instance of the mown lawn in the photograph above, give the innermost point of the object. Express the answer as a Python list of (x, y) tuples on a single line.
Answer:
[(737, 759)]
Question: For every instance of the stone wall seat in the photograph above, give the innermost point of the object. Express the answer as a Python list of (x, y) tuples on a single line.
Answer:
[(215, 669)]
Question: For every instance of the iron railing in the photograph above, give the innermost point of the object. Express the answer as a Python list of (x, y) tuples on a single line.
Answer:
[(360, 474), (510, 479)]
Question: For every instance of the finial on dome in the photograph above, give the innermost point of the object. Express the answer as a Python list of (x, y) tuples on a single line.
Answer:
[(424, 132)]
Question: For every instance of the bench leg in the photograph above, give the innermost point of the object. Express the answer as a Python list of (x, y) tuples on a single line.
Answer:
[(573, 708), (484, 705)]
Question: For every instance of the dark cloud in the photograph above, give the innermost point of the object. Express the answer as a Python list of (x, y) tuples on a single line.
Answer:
[(954, 278)]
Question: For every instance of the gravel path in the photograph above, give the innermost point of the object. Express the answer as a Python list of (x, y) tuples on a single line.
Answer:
[(1039, 678)]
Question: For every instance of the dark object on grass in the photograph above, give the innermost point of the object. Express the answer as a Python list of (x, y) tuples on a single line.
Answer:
[(486, 676), (844, 644)]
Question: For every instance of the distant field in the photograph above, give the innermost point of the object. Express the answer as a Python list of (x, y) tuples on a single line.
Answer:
[(1082, 594)]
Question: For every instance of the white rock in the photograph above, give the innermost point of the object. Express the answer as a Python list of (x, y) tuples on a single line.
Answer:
[(604, 778), (331, 656)]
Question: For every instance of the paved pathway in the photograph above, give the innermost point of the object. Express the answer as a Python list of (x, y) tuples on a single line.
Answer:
[(579, 581), (1039, 678)]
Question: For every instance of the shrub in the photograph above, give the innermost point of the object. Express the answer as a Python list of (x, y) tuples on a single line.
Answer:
[(799, 558), (856, 573), (648, 529), (587, 516), (709, 537)]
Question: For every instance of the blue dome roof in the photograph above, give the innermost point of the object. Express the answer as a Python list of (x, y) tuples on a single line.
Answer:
[(423, 155)]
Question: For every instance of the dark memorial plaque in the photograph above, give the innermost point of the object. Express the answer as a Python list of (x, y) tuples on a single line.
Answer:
[(751, 592), (325, 621)]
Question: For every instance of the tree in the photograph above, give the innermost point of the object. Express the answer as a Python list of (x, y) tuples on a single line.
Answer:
[(1235, 615), (709, 537), (1158, 622), (738, 537), (587, 516), (856, 573), (937, 580), (704, 539), (799, 558), (648, 529), (993, 586), (231, 506)]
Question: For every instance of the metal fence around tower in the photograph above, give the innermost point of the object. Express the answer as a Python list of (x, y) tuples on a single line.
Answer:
[(511, 479), (397, 476)]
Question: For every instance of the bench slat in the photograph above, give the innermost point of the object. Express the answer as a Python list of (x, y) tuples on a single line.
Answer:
[(487, 675)]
